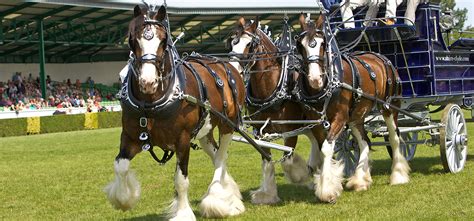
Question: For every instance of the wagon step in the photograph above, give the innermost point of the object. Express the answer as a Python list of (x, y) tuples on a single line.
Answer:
[(263, 144)]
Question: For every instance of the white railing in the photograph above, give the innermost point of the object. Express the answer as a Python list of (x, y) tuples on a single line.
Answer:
[(7, 114)]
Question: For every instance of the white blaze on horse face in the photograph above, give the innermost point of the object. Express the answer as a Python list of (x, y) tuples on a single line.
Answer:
[(239, 48), (315, 70), (148, 76)]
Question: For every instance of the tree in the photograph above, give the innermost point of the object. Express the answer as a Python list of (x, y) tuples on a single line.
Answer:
[(460, 15)]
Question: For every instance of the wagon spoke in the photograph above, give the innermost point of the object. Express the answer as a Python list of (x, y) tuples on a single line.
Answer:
[(449, 143), (460, 127)]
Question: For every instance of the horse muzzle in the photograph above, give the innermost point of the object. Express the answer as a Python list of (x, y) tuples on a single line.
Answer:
[(148, 87)]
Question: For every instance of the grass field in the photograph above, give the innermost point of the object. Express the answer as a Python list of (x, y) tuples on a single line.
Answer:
[(61, 176)]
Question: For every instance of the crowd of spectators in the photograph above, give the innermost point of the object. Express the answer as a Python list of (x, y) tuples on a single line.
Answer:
[(24, 92)]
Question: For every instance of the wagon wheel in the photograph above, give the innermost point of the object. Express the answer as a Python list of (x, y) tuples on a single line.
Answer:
[(347, 150), (453, 139), (407, 150)]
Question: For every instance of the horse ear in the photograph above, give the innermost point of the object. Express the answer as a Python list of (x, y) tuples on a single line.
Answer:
[(254, 25), (241, 22), (320, 21), (137, 11), (257, 20), (302, 21), (161, 13)]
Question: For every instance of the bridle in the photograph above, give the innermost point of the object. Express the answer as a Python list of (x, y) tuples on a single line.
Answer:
[(254, 43), (319, 59), (157, 61)]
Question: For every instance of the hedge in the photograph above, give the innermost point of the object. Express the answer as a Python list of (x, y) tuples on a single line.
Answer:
[(109, 119), (13, 127), (59, 123)]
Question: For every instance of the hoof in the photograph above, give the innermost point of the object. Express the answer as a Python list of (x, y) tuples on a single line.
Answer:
[(296, 170), (358, 184), (398, 178), (262, 197), (220, 204), (329, 198), (188, 216)]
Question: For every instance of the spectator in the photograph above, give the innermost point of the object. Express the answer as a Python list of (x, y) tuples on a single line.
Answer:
[(60, 95), (78, 84), (90, 82), (30, 78)]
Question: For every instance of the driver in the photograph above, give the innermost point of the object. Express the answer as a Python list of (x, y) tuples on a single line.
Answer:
[(390, 13)]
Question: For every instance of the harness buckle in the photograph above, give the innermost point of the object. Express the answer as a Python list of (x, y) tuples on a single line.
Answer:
[(146, 147), (143, 136), (143, 121)]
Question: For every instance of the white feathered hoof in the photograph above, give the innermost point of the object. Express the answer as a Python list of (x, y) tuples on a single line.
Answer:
[(230, 185), (184, 213), (260, 197), (328, 187), (219, 203), (296, 170), (400, 173), (398, 178), (124, 192), (328, 193), (357, 184)]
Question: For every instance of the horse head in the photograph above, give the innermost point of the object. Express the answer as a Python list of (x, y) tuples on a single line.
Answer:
[(244, 42), (311, 45), (148, 41)]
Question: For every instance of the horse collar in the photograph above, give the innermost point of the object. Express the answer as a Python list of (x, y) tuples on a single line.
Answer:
[(159, 109)]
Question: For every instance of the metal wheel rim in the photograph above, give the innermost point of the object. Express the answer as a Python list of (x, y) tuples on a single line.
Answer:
[(347, 151), (453, 153)]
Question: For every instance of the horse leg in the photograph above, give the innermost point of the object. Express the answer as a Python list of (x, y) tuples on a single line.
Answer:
[(208, 145), (180, 208), (361, 180), (267, 193), (295, 168), (221, 199), (329, 182), (400, 168), (124, 192), (314, 158)]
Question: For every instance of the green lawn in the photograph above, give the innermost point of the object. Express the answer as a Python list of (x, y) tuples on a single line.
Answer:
[(60, 177)]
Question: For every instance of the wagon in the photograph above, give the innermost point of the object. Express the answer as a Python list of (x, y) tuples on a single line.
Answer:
[(435, 77)]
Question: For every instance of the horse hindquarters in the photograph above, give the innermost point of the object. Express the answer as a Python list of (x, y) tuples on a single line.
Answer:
[(387, 86)]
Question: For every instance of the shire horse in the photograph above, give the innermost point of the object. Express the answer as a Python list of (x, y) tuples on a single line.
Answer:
[(155, 114), (269, 97), (373, 75)]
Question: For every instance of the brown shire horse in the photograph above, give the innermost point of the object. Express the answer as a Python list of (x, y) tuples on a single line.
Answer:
[(377, 78), (152, 103), (267, 83)]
